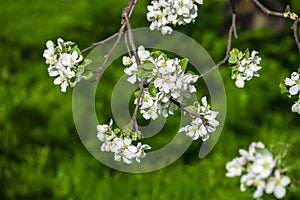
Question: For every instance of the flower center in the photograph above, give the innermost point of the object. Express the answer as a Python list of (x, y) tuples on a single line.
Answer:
[(180, 4), (277, 181), (266, 165)]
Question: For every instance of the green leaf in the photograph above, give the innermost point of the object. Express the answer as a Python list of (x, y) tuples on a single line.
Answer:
[(87, 75), (117, 130), (80, 69), (234, 52), (144, 74), (184, 63), (156, 54), (247, 54), (234, 73), (232, 59), (148, 66), (299, 70), (75, 48), (152, 90), (240, 55), (283, 89), (86, 62), (136, 94)]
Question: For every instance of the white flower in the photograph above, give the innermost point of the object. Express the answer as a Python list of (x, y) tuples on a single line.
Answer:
[(200, 127), (141, 151), (296, 107), (235, 167), (63, 63), (253, 180), (103, 129), (63, 82), (162, 13), (70, 60), (49, 53), (250, 155), (126, 60), (263, 165), (132, 72), (277, 184), (294, 83), (247, 68), (123, 149), (240, 81)]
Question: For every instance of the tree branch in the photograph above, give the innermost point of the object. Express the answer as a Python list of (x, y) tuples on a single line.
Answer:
[(266, 10), (279, 14), (232, 30), (127, 11), (187, 110), (295, 30)]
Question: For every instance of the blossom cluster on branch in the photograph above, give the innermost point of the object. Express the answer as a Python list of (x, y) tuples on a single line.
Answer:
[(66, 63), (164, 13), (260, 170), (245, 66), (291, 87), (123, 143), (167, 86)]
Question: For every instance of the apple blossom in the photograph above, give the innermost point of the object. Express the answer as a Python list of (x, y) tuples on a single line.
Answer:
[(246, 66), (164, 13), (65, 63), (259, 170)]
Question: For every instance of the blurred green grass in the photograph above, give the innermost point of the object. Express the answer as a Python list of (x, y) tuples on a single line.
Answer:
[(42, 156)]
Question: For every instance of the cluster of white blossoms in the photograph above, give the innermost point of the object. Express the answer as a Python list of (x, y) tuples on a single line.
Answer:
[(259, 170), (121, 143), (165, 78), (245, 66), (164, 13), (293, 84), (200, 127), (65, 63), (168, 84)]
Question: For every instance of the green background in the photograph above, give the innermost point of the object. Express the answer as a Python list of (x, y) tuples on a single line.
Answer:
[(42, 156)]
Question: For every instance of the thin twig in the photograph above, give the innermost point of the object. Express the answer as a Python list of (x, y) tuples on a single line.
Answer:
[(127, 11), (187, 110), (107, 56), (100, 42), (127, 45), (133, 120), (231, 31), (295, 30), (279, 14), (266, 10)]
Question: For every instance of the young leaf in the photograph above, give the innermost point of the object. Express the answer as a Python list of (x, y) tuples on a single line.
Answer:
[(144, 74), (156, 54), (283, 88), (87, 75), (247, 54), (152, 90), (148, 66), (184, 63), (80, 69), (232, 59), (136, 94)]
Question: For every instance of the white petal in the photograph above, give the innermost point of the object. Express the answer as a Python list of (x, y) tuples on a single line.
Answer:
[(58, 80), (279, 192), (270, 187), (293, 90), (289, 82), (285, 181)]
